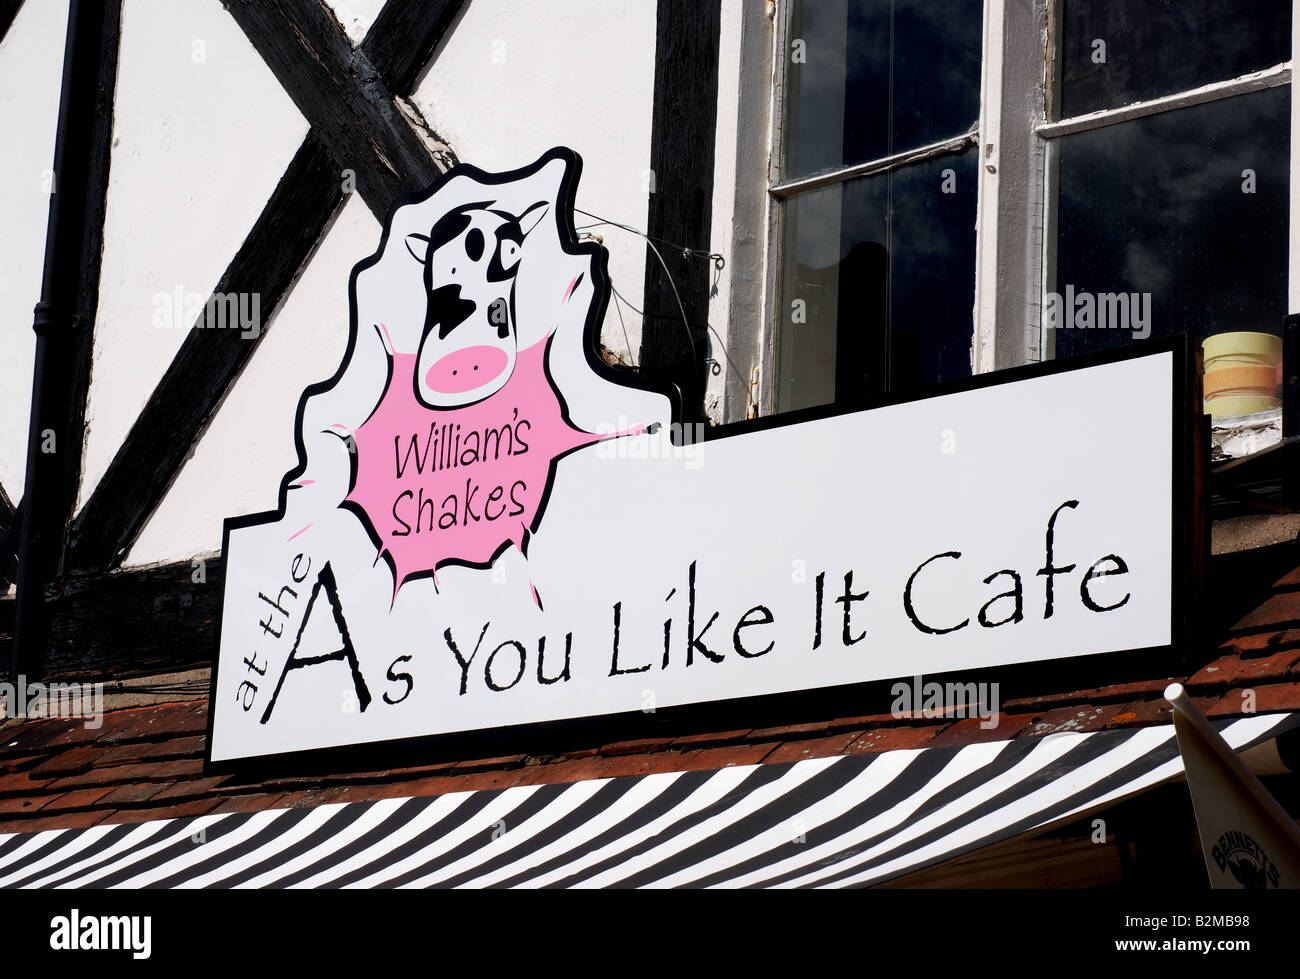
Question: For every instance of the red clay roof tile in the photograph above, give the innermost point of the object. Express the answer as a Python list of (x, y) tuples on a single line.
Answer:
[(115, 775), (1235, 671), (893, 739), (816, 748), (639, 746), (972, 730), (252, 803), (76, 799), (197, 807), (689, 741), (1279, 610), (134, 794), (1068, 719)]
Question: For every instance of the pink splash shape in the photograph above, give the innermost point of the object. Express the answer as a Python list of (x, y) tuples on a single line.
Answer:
[(455, 485)]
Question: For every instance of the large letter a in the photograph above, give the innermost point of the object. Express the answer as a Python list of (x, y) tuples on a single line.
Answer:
[(295, 662)]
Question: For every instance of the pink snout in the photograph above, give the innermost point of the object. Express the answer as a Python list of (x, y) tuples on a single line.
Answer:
[(467, 369)]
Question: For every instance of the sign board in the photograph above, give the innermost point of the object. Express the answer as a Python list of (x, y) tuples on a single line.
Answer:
[(489, 529)]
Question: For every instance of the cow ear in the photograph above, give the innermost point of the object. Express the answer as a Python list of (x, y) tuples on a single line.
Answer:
[(418, 246), (532, 217)]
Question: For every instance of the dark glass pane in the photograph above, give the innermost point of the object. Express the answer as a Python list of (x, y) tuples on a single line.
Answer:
[(1158, 207), (878, 284), (1158, 47), (869, 78)]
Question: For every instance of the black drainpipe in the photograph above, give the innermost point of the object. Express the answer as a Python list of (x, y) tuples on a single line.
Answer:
[(47, 502)]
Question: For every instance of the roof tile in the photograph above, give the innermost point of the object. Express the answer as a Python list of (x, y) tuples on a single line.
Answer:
[(67, 820), (788, 730), (21, 805), (181, 747), (22, 783), (483, 764), (816, 748), (17, 763), (189, 789), (69, 760), (1234, 671), (1255, 644), (1040, 702), (972, 730), (1069, 720), (132, 795), (251, 803), (715, 759), (76, 799), (639, 746), (116, 775), (720, 737), (892, 739), (1266, 697), (1277, 610), (1289, 581), (196, 807), (181, 768), (29, 736)]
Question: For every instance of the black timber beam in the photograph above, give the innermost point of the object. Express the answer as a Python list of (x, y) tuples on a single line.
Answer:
[(65, 317), (344, 98), (403, 38), (203, 370), (682, 135), (130, 623), (8, 11)]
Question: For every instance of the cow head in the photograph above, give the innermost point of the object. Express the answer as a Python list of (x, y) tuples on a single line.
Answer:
[(470, 257)]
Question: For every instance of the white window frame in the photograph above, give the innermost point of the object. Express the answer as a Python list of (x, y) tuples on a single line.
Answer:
[(1014, 227)]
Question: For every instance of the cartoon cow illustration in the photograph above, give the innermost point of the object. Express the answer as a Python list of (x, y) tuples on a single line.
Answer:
[(470, 374), (470, 341)]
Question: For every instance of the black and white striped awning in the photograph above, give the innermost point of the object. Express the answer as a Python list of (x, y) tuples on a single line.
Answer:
[(827, 822)]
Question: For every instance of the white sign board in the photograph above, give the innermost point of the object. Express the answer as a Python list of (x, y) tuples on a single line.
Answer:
[(489, 529)]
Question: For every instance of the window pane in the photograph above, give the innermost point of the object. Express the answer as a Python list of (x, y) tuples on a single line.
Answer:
[(1187, 209), (878, 284), (1114, 52), (869, 78)]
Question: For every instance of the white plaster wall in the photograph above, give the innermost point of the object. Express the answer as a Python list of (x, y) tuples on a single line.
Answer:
[(198, 147), (515, 77), (31, 67), (356, 16), (237, 465)]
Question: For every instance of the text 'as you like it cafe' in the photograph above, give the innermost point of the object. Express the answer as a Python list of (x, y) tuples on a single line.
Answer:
[(734, 454)]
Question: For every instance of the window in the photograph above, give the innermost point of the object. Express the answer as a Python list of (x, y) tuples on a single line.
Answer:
[(1182, 210), (876, 175), (948, 195)]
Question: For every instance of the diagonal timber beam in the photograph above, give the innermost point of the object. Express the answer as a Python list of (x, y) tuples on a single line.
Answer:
[(344, 97)]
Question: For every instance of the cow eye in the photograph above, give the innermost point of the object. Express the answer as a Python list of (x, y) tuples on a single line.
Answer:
[(474, 244), (509, 254)]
